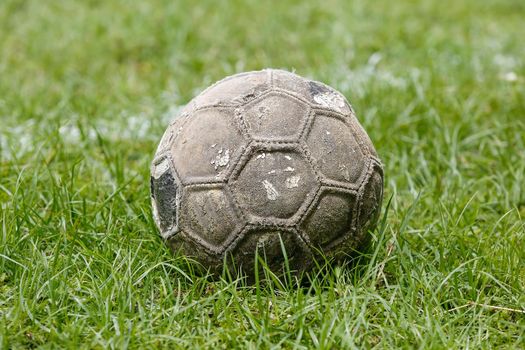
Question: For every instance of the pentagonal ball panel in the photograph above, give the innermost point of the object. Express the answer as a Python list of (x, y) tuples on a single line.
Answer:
[(274, 183), (318, 94), (164, 194), (335, 150), (275, 116), (207, 145), (329, 218), (270, 245), (234, 89), (208, 214)]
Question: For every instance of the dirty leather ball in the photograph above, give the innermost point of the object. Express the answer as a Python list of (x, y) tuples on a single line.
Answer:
[(266, 163)]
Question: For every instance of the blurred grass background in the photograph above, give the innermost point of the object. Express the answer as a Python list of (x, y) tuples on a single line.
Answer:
[(87, 88)]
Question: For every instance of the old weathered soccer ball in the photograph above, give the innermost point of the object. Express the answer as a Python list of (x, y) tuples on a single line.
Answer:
[(262, 161)]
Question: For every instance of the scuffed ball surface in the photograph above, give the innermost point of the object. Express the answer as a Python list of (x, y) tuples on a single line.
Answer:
[(262, 160)]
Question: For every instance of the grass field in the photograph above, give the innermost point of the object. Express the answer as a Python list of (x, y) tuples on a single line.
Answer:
[(88, 87)]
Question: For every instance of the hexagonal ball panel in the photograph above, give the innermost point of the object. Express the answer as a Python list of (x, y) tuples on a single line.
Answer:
[(185, 245), (330, 217), (165, 141), (371, 198), (234, 89), (318, 94), (362, 137), (207, 146), (274, 183), (275, 116), (335, 150), (172, 131), (208, 214), (268, 243), (164, 198)]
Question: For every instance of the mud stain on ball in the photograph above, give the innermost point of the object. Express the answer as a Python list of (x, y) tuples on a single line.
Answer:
[(222, 159), (271, 192), (292, 182)]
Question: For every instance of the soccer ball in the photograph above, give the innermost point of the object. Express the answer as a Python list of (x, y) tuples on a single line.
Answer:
[(266, 163)]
